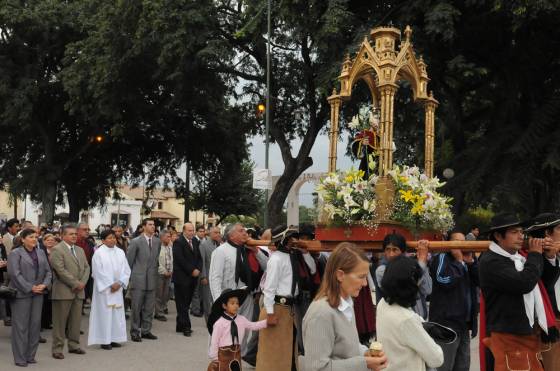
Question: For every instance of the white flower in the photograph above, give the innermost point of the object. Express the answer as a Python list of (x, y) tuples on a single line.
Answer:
[(349, 201), (355, 123), (360, 186), (329, 210)]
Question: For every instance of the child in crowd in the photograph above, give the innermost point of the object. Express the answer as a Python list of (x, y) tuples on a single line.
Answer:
[(227, 328)]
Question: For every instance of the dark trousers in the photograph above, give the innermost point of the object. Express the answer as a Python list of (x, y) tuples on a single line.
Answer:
[(8, 310), (253, 345), (89, 288), (457, 355), (183, 296), (46, 314), (196, 303)]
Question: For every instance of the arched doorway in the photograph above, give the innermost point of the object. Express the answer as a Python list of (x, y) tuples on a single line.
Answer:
[(292, 201)]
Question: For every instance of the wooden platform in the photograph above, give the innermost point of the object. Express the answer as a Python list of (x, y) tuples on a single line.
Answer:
[(435, 246)]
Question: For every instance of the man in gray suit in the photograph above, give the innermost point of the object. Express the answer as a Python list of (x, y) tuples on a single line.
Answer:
[(206, 248), (71, 272), (142, 256)]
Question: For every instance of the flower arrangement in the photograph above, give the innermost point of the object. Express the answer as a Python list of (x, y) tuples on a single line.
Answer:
[(417, 203), (364, 120), (348, 198)]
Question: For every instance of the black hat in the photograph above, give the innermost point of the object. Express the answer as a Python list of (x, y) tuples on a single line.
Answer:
[(281, 234), (307, 230), (217, 309), (543, 221), (503, 221)]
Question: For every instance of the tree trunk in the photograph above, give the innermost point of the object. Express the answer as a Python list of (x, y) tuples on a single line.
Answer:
[(292, 171), (48, 200), (73, 206)]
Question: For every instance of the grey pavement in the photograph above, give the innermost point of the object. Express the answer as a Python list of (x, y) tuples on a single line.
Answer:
[(171, 352)]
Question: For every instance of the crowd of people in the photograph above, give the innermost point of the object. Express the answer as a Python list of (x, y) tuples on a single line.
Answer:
[(280, 307)]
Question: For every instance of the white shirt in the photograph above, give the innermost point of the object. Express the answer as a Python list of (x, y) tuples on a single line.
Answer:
[(148, 239), (279, 277), (347, 308), (222, 269)]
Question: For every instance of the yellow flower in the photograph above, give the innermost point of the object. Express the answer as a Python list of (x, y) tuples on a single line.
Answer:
[(349, 179), (361, 174), (418, 207), (407, 196), (403, 179)]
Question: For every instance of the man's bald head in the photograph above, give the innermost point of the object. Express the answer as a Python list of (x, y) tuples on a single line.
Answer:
[(188, 230)]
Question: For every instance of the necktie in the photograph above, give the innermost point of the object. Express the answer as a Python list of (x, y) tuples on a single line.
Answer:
[(150, 243), (233, 329), (73, 252), (190, 244)]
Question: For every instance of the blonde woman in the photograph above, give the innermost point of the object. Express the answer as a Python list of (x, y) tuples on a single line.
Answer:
[(330, 336)]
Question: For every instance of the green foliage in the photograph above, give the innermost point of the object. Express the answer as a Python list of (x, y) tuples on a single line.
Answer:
[(476, 216), (247, 221), (140, 74), (227, 190), (307, 215), (163, 81)]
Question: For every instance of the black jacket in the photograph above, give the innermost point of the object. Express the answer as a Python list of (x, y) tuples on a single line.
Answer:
[(454, 298), (550, 275), (185, 260), (503, 288), (3, 255)]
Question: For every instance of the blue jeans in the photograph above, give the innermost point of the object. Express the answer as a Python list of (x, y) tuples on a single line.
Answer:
[(457, 355)]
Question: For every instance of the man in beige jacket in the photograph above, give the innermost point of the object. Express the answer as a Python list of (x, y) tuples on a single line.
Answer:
[(70, 272), (165, 271)]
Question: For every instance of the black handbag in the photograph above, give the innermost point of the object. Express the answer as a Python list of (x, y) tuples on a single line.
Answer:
[(440, 334), (7, 293)]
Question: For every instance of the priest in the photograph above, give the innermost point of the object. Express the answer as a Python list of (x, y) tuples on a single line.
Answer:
[(111, 272)]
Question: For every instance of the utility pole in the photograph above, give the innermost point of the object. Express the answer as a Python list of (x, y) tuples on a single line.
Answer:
[(187, 192), (267, 114)]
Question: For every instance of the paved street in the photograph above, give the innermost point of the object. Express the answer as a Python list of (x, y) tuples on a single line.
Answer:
[(171, 352)]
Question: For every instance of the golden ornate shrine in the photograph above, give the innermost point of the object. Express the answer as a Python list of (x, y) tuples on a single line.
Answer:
[(381, 67)]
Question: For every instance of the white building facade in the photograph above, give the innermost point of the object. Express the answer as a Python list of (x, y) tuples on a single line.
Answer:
[(127, 211)]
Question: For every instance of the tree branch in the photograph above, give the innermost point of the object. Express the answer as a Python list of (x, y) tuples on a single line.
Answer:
[(243, 75)]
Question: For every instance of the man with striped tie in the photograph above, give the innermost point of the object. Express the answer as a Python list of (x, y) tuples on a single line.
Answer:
[(70, 275), (142, 255)]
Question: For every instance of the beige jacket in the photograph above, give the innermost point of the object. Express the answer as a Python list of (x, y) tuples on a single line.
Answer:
[(8, 241), (68, 272), (161, 259)]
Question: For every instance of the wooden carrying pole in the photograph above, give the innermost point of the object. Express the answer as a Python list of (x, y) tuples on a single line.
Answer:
[(435, 246)]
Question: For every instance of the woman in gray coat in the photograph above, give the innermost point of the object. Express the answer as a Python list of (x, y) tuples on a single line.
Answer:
[(30, 275), (330, 336)]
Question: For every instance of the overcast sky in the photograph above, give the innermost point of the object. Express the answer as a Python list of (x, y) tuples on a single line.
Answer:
[(319, 153)]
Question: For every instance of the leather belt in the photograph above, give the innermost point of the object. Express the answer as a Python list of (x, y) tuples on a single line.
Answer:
[(284, 300)]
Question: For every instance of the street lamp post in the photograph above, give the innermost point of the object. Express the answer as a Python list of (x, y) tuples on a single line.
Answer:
[(267, 114)]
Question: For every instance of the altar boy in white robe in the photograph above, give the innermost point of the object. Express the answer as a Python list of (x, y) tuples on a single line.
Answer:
[(111, 272)]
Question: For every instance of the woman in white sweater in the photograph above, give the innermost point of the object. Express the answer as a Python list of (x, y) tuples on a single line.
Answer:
[(330, 336), (399, 328)]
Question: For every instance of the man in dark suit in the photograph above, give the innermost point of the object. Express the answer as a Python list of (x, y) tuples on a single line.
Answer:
[(142, 256), (196, 304), (187, 264)]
